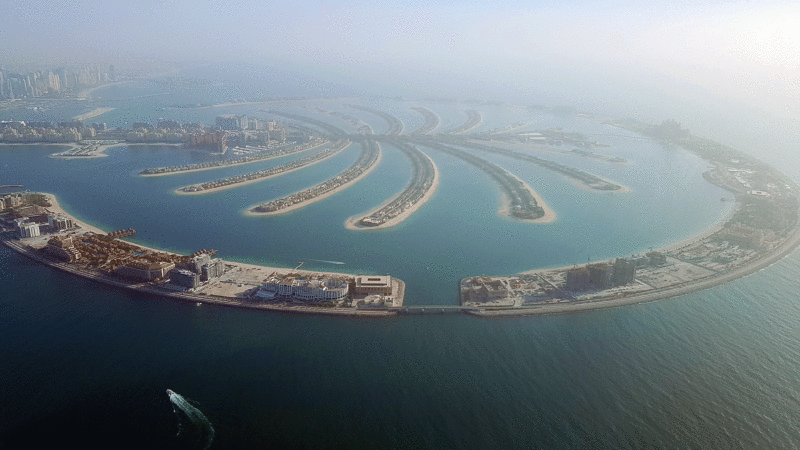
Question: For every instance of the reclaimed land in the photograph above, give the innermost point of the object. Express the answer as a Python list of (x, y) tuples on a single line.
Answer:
[(395, 125), (222, 300), (585, 179), (763, 227), (474, 118), (369, 158), (261, 175), (520, 202), (423, 184), (431, 120), (249, 159), (336, 131), (93, 113)]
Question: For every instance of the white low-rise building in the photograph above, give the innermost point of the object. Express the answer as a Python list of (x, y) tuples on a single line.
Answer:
[(305, 289)]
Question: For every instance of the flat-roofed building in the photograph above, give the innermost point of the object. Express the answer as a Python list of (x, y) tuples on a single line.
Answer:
[(29, 230), (600, 275), (185, 278), (373, 284), (146, 270), (212, 269), (578, 279), (305, 289), (624, 271)]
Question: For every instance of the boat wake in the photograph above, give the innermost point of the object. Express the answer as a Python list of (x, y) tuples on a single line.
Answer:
[(193, 425), (329, 262)]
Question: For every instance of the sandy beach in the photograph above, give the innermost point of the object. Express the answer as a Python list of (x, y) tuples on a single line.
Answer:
[(56, 208), (203, 169), (249, 211), (353, 222), (257, 180)]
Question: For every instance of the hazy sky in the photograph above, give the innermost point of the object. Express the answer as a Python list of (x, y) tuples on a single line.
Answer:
[(748, 51)]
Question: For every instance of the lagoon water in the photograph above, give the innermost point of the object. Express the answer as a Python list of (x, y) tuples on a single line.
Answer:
[(83, 362)]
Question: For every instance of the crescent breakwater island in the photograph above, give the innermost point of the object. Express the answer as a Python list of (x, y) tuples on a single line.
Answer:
[(762, 229), (368, 159), (65, 243), (261, 175)]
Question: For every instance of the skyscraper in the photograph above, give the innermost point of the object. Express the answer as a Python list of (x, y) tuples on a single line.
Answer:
[(112, 76)]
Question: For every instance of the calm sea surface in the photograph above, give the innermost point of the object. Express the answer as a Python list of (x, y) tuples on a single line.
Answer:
[(86, 363)]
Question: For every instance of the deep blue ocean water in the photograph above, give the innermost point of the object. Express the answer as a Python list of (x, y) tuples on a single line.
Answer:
[(86, 363)]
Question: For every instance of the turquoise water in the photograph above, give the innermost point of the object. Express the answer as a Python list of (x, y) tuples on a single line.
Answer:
[(91, 363)]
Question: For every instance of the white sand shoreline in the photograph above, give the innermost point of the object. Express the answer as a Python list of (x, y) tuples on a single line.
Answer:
[(202, 169), (249, 211), (256, 180), (352, 223)]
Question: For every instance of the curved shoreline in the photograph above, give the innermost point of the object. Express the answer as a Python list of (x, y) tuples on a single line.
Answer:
[(249, 211), (505, 207), (179, 191), (203, 169), (100, 152), (432, 121), (784, 250), (55, 207), (352, 223), (475, 118)]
